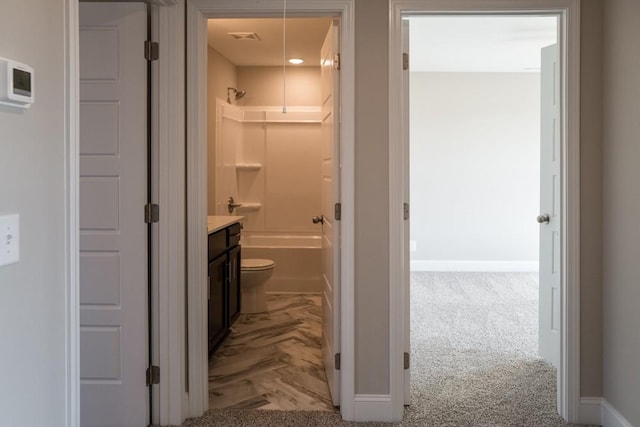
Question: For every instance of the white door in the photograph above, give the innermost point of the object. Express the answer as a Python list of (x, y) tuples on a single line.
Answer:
[(330, 196), (406, 189), (113, 234), (550, 209)]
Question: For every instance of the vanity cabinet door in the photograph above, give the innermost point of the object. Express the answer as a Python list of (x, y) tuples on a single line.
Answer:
[(234, 284), (217, 307)]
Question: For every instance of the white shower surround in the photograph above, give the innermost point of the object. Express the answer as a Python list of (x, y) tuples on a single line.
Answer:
[(254, 145)]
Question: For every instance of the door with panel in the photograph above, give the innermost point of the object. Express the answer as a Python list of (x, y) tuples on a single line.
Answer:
[(550, 207), (113, 233), (330, 195)]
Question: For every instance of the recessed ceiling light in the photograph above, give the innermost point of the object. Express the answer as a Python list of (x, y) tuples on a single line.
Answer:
[(296, 61)]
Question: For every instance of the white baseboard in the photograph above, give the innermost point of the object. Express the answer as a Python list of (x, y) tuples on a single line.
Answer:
[(590, 411), (372, 407), (475, 266), (611, 417)]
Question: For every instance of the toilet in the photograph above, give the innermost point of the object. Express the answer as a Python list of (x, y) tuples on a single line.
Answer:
[(254, 274)]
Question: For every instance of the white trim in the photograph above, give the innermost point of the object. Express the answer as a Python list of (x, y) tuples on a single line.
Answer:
[(611, 417), (590, 410), (473, 266), (569, 371), (197, 12), (170, 397), (372, 407), (569, 383), (71, 202)]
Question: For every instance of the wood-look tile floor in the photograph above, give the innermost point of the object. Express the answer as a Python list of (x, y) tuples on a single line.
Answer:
[(272, 360)]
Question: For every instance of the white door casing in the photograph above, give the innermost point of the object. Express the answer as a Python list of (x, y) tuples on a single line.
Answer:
[(330, 195), (406, 132), (568, 12), (113, 234), (550, 233), (198, 11)]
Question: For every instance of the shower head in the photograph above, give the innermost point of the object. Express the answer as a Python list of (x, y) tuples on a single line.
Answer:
[(237, 94)]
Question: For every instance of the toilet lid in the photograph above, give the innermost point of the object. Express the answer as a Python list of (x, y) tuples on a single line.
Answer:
[(256, 264)]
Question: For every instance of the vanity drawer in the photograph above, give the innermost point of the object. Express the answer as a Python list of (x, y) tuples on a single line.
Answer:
[(234, 235), (217, 244)]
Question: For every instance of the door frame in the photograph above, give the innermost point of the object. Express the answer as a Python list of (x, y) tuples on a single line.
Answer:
[(569, 28), (197, 13)]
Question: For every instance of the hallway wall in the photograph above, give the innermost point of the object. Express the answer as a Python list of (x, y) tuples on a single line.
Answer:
[(33, 311), (621, 206)]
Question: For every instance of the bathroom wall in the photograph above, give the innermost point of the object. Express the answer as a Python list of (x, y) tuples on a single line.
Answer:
[(221, 75), (264, 85), (475, 188)]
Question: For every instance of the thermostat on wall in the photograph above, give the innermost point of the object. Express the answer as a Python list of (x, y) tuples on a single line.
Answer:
[(16, 84)]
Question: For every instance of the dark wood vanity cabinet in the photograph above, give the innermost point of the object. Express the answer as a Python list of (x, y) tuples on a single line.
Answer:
[(234, 284), (217, 324), (224, 283)]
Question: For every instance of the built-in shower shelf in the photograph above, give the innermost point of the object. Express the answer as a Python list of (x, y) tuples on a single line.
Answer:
[(248, 166), (302, 122), (246, 207)]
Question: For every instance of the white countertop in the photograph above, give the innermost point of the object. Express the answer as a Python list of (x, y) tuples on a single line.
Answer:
[(218, 222)]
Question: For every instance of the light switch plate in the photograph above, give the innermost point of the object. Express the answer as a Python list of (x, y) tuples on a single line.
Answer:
[(9, 239)]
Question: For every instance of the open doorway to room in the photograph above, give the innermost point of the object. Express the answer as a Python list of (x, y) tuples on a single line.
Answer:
[(484, 150), (271, 167)]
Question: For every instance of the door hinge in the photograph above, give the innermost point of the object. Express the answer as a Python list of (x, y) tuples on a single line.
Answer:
[(151, 50), (405, 61), (405, 211), (406, 361), (337, 211), (153, 375), (151, 213), (336, 361), (336, 62)]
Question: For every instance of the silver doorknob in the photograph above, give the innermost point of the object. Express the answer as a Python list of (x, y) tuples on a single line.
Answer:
[(318, 219), (543, 219)]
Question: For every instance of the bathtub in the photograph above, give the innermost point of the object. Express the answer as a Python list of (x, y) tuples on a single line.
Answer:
[(298, 260)]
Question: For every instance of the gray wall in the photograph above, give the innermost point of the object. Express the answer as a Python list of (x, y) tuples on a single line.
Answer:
[(621, 207), (591, 199), (372, 194), (32, 292)]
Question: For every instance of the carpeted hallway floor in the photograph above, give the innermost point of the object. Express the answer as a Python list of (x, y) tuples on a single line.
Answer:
[(474, 345)]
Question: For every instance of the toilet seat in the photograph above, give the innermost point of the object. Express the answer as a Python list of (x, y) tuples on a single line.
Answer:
[(256, 264)]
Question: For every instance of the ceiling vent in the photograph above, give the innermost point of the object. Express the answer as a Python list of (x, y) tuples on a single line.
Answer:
[(242, 35)]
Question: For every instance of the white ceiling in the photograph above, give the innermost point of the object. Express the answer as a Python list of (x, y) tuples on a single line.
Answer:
[(304, 39), (438, 43), (479, 44)]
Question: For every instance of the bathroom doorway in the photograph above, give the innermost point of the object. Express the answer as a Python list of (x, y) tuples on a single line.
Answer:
[(270, 160)]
